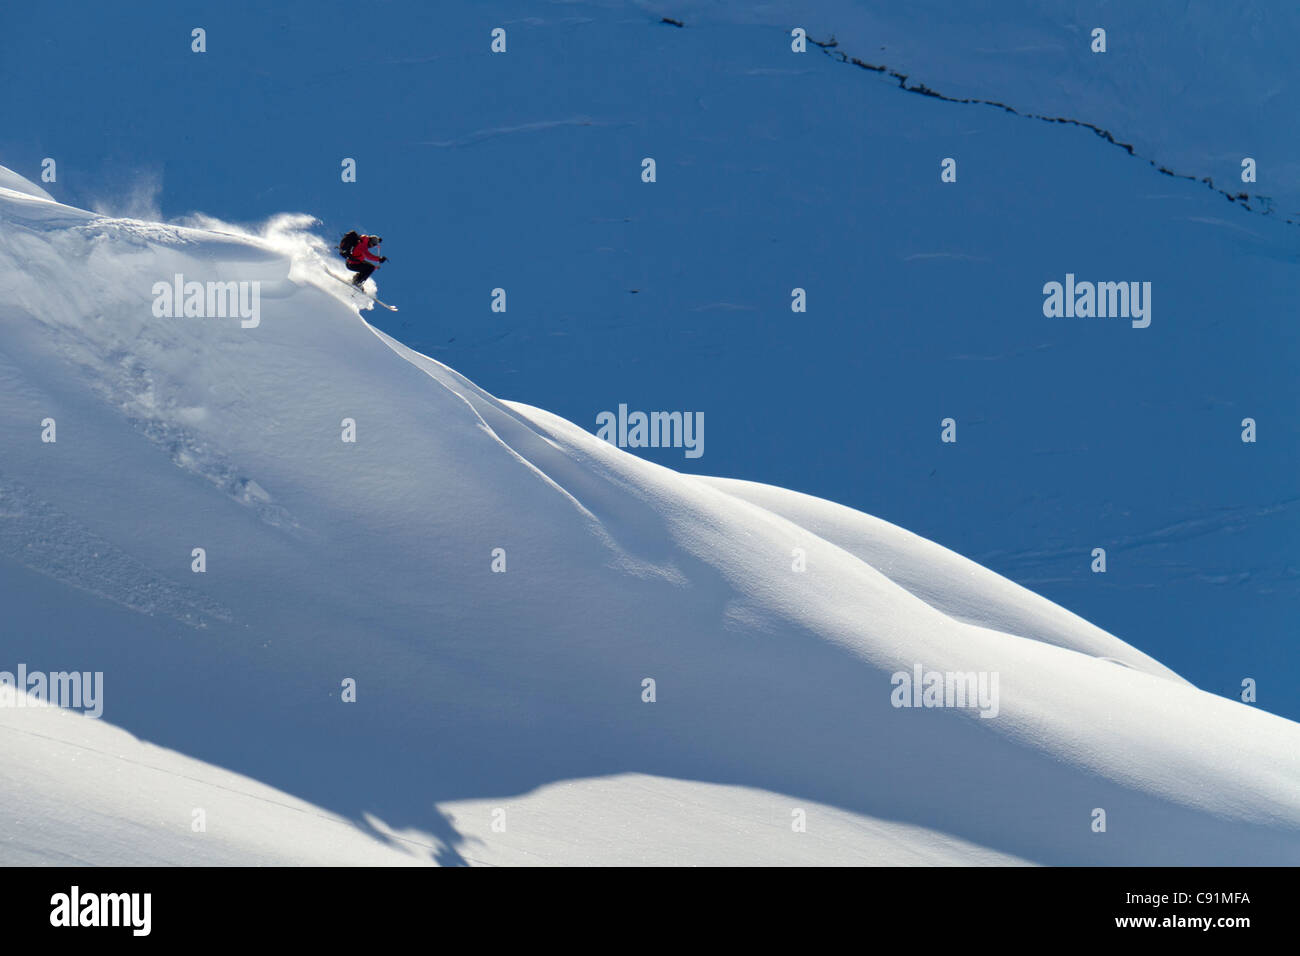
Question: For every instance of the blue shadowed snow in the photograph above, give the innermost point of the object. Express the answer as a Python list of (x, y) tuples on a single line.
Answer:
[(775, 171)]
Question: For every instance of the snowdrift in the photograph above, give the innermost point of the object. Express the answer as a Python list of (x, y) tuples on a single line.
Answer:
[(501, 715)]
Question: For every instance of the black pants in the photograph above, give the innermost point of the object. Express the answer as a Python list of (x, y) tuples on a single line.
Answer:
[(362, 270)]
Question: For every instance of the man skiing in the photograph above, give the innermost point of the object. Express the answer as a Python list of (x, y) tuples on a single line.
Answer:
[(356, 250)]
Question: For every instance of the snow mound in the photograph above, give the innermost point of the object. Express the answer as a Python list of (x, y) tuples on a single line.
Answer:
[(620, 662)]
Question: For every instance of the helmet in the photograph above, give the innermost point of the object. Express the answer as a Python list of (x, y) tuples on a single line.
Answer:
[(375, 240)]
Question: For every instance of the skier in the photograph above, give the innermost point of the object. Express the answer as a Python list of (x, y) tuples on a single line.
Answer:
[(356, 250)]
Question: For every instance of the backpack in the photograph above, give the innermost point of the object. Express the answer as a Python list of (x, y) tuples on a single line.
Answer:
[(348, 243)]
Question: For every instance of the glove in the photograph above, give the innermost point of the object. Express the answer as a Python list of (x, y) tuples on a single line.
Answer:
[(383, 258)]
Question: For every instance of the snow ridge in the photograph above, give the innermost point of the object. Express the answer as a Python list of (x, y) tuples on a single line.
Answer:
[(772, 626)]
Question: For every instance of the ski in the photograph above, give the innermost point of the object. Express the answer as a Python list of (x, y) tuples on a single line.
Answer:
[(354, 288)]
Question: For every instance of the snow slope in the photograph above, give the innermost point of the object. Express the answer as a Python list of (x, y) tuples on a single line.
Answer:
[(1186, 86), (485, 697), (779, 170)]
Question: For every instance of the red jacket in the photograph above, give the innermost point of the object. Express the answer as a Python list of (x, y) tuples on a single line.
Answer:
[(361, 251)]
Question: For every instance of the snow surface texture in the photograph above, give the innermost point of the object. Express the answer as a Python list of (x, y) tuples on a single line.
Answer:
[(510, 697), (1172, 73)]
